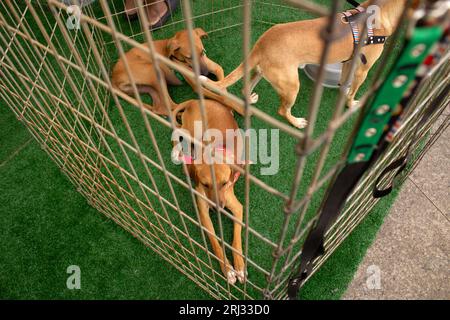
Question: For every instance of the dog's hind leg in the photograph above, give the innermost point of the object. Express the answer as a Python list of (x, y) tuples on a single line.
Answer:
[(287, 84), (254, 80), (256, 77), (128, 89), (158, 106)]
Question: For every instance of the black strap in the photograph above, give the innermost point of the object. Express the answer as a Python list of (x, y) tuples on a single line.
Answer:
[(375, 40), (343, 185), (341, 189), (353, 3), (339, 192), (396, 120), (313, 246), (401, 163)]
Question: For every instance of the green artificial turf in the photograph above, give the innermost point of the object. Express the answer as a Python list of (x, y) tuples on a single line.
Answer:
[(47, 226), (8, 144)]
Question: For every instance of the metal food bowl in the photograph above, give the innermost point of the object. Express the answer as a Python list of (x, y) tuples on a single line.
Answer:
[(332, 74)]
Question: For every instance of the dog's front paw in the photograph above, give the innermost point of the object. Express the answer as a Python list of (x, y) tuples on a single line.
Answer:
[(229, 272), (241, 276), (231, 276), (239, 267)]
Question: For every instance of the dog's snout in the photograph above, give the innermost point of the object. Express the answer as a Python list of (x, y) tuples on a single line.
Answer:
[(204, 72), (221, 201), (204, 69)]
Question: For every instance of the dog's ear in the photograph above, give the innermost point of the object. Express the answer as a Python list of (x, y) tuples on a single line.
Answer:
[(200, 32), (195, 175), (172, 46)]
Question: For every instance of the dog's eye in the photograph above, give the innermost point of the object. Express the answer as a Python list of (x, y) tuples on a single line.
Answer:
[(224, 183), (180, 60), (206, 185)]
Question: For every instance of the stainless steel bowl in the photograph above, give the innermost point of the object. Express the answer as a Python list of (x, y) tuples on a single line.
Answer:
[(332, 74)]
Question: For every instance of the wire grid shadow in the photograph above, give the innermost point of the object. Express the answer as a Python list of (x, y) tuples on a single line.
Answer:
[(56, 79)]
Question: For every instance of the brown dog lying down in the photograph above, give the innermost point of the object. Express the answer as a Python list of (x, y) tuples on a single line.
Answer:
[(178, 50), (279, 52), (219, 117)]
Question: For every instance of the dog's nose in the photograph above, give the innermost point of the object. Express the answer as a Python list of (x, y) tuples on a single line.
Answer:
[(221, 203), (204, 70)]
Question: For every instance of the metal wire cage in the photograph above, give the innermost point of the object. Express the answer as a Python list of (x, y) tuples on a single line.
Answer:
[(56, 78)]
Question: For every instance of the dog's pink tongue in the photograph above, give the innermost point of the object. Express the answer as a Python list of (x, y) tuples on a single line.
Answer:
[(187, 159)]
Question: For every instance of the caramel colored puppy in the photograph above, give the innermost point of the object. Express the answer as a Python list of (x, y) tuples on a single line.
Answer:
[(219, 117), (178, 50), (279, 52)]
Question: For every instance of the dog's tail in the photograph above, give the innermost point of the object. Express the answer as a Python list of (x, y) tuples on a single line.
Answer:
[(238, 73), (180, 107), (158, 108), (229, 80), (222, 99)]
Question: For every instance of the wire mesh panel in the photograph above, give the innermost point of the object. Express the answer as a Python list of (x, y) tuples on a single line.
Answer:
[(56, 64), (44, 84)]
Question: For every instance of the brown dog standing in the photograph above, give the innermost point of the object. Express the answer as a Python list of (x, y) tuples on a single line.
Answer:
[(178, 50), (220, 118), (279, 52)]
